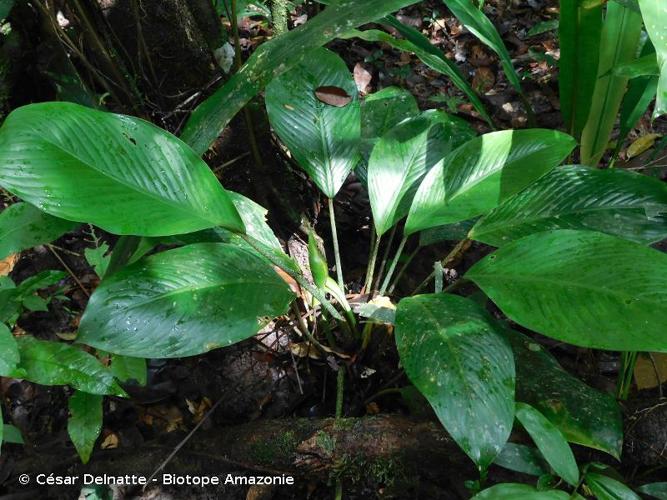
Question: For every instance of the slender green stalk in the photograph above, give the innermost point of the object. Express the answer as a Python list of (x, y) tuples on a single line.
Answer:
[(439, 276), (404, 267), (625, 376), (371, 266), (392, 268), (334, 235), (457, 251), (385, 257), (340, 388), (279, 15)]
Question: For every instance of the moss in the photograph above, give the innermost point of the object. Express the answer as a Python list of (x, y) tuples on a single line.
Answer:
[(267, 451), (326, 442)]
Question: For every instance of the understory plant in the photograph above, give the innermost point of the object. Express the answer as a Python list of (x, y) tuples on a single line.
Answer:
[(197, 268)]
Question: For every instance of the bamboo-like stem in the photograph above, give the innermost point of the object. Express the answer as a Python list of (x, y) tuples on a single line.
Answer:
[(371, 265), (334, 235), (392, 268), (385, 257), (404, 268), (279, 15)]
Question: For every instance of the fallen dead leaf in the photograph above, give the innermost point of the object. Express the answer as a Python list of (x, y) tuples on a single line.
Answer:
[(333, 96), (483, 80), (648, 375), (644, 143), (8, 263), (110, 442), (362, 77)]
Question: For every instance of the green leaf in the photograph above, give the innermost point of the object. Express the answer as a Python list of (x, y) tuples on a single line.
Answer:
[(580, 30), (482, 173), (57, 363), (418, 44), (98, 259), (184, 302), (5, 9), (643, 66), (550, 442), (452, 352), (655, 19), (11, 434), (656, 490), (381, 111), (9, 352), (23, 226), (90, 166), (582, 414), (125, 368), (403, 156), (522, 458), (479, 25), (275, 57), (324, 139), (620, 39), (85, 422), (542, 27), (518, 491), (588, 289), (607, 488), (628, 205), (450, 232), (318, 264)]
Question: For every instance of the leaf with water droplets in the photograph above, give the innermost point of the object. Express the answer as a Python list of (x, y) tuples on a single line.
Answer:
[(184, 302), (453, 353)]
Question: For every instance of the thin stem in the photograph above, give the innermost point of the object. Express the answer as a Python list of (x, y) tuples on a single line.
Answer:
[(371, 266), (403, 269), (456, 252), (340, 388), (385, 257), (69, 271), (629, 360), (392, 268), (334, 235), (303, 328)]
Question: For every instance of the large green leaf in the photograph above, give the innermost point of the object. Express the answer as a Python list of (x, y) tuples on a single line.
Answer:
[(23, 226), (582, 414), (620, 39), (9, 352), (654, 490), (608, 488), (522, 458), (613, 201), (403, 156), (324, 139), (580, 30), (125, 369), (588, 289), (85, 422), (120, 173), (452, 352), (184, 302), (655, 19), (550, 442), (518, 491), (273, 58), (474, 19), (57, 363), (482, 173)]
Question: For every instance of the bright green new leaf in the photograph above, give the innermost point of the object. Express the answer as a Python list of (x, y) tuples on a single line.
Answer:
[(318, 263), (85, 422), (453, 353), (323, 138), (588, 289), (403, 156), (655, 19), (522, 458), (479, 25), (655, 490), (580, 30), (275, 57), (518, 491), (57, 363), (120, 173), (628, 205), (550, 442), (582, 414), (184, 302), (9, 352), (608, 488), (24, 226), (620, 39), (125, 368), (484, 172)]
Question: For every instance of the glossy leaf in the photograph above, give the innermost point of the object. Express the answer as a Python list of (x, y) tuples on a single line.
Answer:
[(484, 172), (184, 302), (318, 264), (91, 166), (522, 458), (579, 31), (646, 65), (620, 40), (452, 352), (57, 363), (582, 414), (655, 490), (607, 488), (275, 57), (125, 369), (418, 44), (450, 232), (518, 491), (85, 422), (655, 20), (550, 442), (323, 139), (588, 289), (628, 205), (23, 226), (479, 25), (403, 156), (9, 352)]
